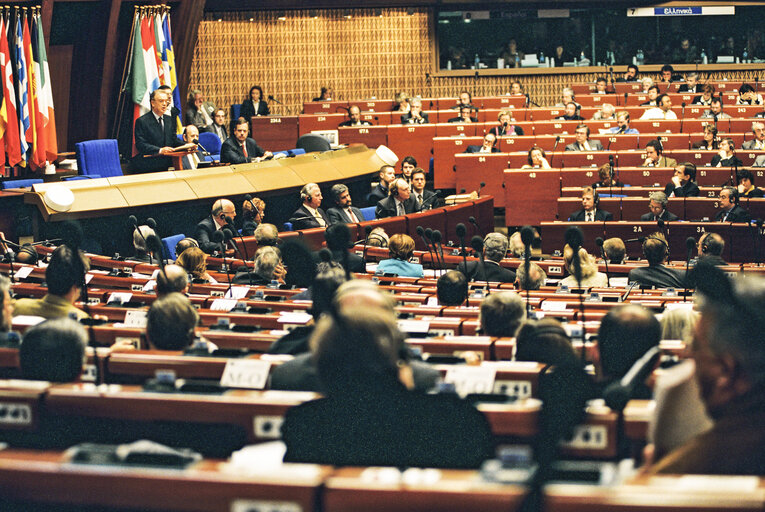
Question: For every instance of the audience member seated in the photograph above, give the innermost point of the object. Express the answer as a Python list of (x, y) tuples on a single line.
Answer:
[(589, 268), (571, 113), (369, 416), (758, 142), (415, 114), (309, 215), (615, 250), (343, 211), (488, 146), (606, 178), (494, 251), (53, 350), (647, 83), (466, 116), (171, 324), (606, 113), (537, 159), (730, 210), (386, 175), (654, 153), (266, 235), (401, 103), (65, 277), (219, 127), (710, 139), (623, 122), (377, 238), (451, 288), (705, 98), (401, 248), (683, 183), (267, 267), (662, 110), (533, 281), (545, 341), (423, 199), (511, 55), (678, 324), (140, 234), (183, 244), (465, 99), (191, 136), (338, 238), (746, 186), (221, 217), (354, 118), (172, 279), (325, 94), (748, 96), (728, 352), (515, 245), (656, 251), (516, 88), (657, 203), (194, 261), (590, 211), (691, 85), (254, 105), (399, 202), (504, 129), (199, 112), (154, 134), (711, 247), (408, 165), (567, 96), (631, 75), (653, 97), (726, 156), (501, 314), (601, 85), (241, 149), (253, 211), (583, 142), (668, 74), (625, 334), (715, 110)]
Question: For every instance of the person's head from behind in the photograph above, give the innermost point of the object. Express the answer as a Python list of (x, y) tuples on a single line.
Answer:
[(655, 249), (625, 334), (194, 261), (53, 350), (254, 209), (586, 261), (266, 235), (6, 304), (711, 244), (678, 324), (357, 350), (615, 250), (65, 272), (171, 322), (338, 237), (401, 246), (495, 246), (184, 244), (140, 234), (329, 276), (173, 279), (451, 288), (533, 280), (378, 238), (515, 245), (544, 341), (501, 314), (265, 262)]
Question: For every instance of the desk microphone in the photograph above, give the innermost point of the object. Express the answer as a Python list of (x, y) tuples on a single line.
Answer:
[(552, 156), (434, 197), (438, 248), (218, 237), (482, 184), (461, 231), (617, 395), (472, 221), (527, 237), (271, 98), (204, 150), (690, 245), (421, 232), (599, 243), (367, 231), (574, 238)]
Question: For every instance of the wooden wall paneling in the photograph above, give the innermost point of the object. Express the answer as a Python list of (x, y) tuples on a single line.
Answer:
[(60, 58), (110, 70), (185, 29)]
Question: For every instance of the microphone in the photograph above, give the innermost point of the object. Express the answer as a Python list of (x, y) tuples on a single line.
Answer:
[(690, 245), (682, 117), (627, 293), (425, 240), (619, 393), (599, 243), (477, 244), (218, 237), (639, 239), (461, 231), (574, 239), (438, 248), (271, 98), (462, 191), (552, 156), (435, 196), (134, 222), (228, 236), (472, 221), (204, 150), (151, 223), (625, 98), (527, 237), (481, 185), (232, 231)]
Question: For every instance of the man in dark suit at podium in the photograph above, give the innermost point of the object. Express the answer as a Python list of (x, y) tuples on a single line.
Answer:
[(343, 211), (155, 135), (590, 211), (241, 149)]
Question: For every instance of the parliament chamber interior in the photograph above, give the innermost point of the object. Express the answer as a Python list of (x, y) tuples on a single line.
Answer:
[(311, 256)]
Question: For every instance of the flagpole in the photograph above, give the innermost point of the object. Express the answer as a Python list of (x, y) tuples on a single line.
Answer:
[(125, 73)]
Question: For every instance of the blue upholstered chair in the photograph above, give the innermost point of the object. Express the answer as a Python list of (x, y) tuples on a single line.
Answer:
[(101, 157), (169, 243)]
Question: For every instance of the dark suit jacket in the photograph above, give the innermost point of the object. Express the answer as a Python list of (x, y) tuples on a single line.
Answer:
[(459, 120), (350, 123), (407, 118), (736, 214), (666, 215), (203, 234), (378, 193), (733, 161), (187, 159), (220, 131), (594, 144), (248, 227), (477, 149), (149, 138), (387, 207), (197, 118), (684, 88), (600, 216), (506, 130), (658, 276), (231, 152), (355, 262), (690, 189), (338, 215), (249, 278), (426, 200), (299, 220), (494, 272), (247, 110)]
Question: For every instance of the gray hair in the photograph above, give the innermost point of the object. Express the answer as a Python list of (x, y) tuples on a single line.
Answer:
[(495, 246), (659, 197), (515, 245), (502, 314), (266, 260), (266, 234), (758, 124), (138, 241), (536, 278), (337, 190)]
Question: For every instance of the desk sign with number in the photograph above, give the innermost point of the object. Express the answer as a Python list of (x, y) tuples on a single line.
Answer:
[(471, 379), (245, 373)]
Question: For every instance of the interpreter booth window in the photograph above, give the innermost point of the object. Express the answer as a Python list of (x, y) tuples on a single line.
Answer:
[(532, 38)]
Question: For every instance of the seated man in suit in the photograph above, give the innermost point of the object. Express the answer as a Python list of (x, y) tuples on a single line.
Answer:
[(502, 314), (656, 251), (730, 211), (746, 186), (653, 94), (53, 350), (583, 142), (354, 114), (494, 250), (758, 142), (415, 114), (191, 136), (571, 113), (711, 247), (452, 289), (691, 85), (423, 199), (343, 211), (715, 110), (658, 205), (338, 238), (155, 135), (386, 175), (683, 183), (466, 116), (654, 153), (488, 146), (222, 216), (309, 215), (219, 125), (172, 279), (241, 149), (399, 202), (267, 266), (533, 281), (590, 211), (198, 111), (726, 157)]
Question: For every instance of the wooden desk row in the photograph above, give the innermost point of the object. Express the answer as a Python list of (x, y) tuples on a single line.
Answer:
[(723, 86)]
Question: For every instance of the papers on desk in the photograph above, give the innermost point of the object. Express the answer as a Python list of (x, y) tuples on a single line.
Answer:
[(23, 272), (237, 292), (265, 460), (471, 379), (27, 320)]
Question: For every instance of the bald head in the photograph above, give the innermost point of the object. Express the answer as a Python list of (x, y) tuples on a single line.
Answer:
[(364, 293)]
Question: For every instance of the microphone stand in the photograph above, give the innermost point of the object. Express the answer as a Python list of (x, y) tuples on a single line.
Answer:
[(227, 267), (461, 231), (599, 243), (11, 256), (367, 231), (690, 244), (552, 156)]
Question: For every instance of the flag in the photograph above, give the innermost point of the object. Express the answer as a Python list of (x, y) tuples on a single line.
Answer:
[(22, 90), (46, 93), (40, 109), (12, 142), (144, 75), (168, 62)]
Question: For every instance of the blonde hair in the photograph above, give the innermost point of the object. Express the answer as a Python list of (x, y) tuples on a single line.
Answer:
[(588, 265), (401, 246)]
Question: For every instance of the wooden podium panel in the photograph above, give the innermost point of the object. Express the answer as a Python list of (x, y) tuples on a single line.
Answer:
[(308, 123), (474, 168), (139, 194), (315, 168), (275, 133), (500, 102), (353, 158), (434, 219), (530, 195), (216, 183), (444, 150), (415, 140), (324, 107), (371, 136)]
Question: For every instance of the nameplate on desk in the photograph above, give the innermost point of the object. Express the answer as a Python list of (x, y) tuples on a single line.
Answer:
[(245, 373), (223, 304), (120, 297), (23, 272), (471, 379), (554, 305), (414, 326), (135, 318), (237, 292), (136, 287), (217, 293)]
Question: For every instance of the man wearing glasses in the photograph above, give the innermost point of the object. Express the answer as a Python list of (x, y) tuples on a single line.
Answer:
[(155, 135)]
